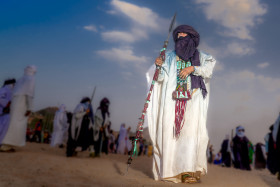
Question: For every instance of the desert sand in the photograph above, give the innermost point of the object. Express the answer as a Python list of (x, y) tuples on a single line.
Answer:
[(43, 166)]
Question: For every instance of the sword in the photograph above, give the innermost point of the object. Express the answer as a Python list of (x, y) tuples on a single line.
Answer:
[(91, 99), (139, 132)]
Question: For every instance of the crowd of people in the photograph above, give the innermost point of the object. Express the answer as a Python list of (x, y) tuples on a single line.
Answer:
[(240, 152), (179, 139), (80, 130)]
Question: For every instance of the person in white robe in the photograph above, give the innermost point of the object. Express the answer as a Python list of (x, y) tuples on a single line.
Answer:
[(5, 102), (21, 107), (180, 148), (60, 128), (122, 140)]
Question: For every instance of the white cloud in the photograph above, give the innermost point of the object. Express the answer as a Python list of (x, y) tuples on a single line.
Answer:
[(143, 21), (113, 12), (238, 49), (248, 79), (115, 36), (234, 48), (142, 16), (124, 37), (123, 56), (90, 28), (263, 65), (237, 16)]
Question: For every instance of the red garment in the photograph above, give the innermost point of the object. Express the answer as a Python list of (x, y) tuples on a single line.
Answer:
[(38, 126)]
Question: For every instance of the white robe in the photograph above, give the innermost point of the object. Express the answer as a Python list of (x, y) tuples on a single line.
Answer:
[(172, 156), (22, 101), (122, 140), (60, 131), (16, 133), (99, 122)]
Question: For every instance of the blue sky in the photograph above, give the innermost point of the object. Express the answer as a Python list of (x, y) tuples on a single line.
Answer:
[(77, 45)]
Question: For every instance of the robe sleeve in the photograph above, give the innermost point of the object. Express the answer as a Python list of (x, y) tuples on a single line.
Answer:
[(206, 69), (80, 113), (3, 99), (98, 118), (29, 102), (165, 67)]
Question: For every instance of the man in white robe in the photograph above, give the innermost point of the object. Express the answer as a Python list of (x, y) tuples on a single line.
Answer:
[(5, 102), (180, 150), (60, 128), (21, 107), (122, 139)]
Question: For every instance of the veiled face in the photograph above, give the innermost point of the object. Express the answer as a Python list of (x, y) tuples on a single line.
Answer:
[(182, 34)]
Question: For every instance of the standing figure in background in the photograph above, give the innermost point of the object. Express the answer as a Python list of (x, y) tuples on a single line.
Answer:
[(225, 151), (22, 103), (276, 138), (260, 161), (241, 150), (38, 131), (71, 143), (80, 124), (5, 103), (177, 112), (270, 148), (105, 144), (210, 153), (122, 140), (60, 128), (128, 141), (101, 121), (112, 140)]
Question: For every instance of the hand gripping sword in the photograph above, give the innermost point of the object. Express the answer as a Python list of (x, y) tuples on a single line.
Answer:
[(139, 131)]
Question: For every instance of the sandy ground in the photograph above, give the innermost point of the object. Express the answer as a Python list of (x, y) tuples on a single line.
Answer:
[(40, 165)]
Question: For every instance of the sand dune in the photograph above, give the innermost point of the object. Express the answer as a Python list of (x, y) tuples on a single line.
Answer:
[(40, 165)]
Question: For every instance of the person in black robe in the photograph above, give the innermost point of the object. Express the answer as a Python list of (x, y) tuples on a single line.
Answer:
[(81, 127), (85, 135), (226, 157), (278, 149), (260, 161), (102, 121), (273, 155), (241, 150), (71, 143)]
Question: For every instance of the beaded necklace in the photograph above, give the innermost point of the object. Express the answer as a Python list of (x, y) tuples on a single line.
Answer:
[(183, 88), (181, 95)]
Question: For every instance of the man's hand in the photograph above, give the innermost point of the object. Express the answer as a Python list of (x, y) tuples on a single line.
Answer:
[(158, 61), (27, 113), (186, 71), (88, 110)]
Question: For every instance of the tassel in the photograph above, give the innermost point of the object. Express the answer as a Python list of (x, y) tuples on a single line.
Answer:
[(179, 116)]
